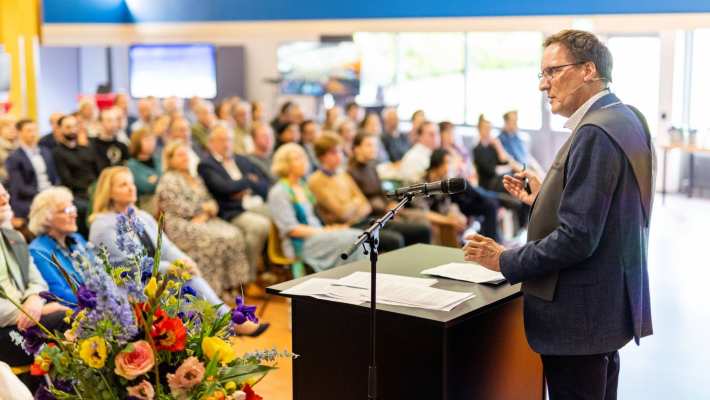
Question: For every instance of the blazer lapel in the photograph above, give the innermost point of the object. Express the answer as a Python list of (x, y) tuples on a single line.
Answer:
[(19, 250)]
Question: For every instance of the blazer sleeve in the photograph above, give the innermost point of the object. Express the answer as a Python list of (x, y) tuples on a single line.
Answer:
[(593, 172), (218, 183), (55, 281), (65, 177), (18, 188), (262, 186)]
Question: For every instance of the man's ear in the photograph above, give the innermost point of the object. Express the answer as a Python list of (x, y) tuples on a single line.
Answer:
[(590, 72)]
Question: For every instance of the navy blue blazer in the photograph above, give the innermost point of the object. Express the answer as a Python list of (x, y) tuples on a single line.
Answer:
[(599, 250), (223, 187), (23, 180)]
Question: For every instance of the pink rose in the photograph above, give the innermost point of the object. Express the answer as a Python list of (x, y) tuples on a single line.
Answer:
[(187, 376), (142, 391), (135, 360)]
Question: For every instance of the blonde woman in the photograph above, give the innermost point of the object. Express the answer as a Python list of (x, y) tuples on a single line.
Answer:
[(191, 222), (291, 205)]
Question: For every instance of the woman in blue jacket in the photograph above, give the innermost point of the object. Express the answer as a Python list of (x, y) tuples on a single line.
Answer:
[(53, 219)]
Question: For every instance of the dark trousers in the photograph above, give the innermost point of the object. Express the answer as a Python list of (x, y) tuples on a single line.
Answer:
[(14, 356), (592, 377), (477, 202)]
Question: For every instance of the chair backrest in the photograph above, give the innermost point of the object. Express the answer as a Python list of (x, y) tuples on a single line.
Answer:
[(274, 249)]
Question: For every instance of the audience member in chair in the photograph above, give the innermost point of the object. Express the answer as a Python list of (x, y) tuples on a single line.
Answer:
[(488, 155), (53, 219), (310, 132), (22, 282), (180, 130), (235, 183), (372, 126), (191, 222), (363, 171), (291, 204), (205, 121), (242, 128), (260, 156), (395, 142), (49, 141), (109, 150), (416, 161), (338, 199), (116, 194), (77, 167), (146, 166), (30, 168)]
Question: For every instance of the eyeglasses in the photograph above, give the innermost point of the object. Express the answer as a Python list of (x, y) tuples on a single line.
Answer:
[(71, 210), (549, 72)]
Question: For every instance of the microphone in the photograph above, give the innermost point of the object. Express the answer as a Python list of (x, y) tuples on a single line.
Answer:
[(448, 186)]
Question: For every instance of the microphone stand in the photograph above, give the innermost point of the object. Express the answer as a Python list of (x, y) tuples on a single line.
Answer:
[(372, 236)]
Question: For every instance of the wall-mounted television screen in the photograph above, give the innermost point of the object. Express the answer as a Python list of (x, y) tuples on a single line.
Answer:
[(315, 68), (164, 70)]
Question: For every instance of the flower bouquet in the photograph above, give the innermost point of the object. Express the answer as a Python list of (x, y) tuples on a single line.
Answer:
[(139, 333)]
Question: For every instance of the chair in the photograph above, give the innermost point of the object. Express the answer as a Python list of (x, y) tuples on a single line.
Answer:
[(276, 256)]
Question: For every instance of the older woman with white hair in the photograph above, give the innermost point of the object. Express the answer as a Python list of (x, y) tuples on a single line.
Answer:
[(53, 219), (291, 204)]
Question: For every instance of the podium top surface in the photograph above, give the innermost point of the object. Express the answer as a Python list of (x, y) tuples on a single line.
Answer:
[(410, 261)]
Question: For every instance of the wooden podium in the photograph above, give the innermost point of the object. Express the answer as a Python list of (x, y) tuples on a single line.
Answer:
[(476, 351)]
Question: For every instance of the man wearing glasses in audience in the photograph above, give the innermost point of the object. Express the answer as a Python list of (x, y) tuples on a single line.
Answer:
[(584, 268)]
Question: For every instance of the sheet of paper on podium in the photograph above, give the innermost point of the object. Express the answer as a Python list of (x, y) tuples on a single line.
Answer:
[(391, 290), (469, 272)]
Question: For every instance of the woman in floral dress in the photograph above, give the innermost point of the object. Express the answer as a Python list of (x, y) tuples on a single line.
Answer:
[(191, 222)]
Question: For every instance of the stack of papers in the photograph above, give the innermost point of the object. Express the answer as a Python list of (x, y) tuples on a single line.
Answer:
[(469, 272), (391, 289)]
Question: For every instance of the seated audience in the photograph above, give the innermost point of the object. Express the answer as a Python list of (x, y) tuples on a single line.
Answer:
[(76, 166), (310, 132), (488, 155), (353, 112), (441, 210), (416, 161), (257, 112), (8, 142), (30, 168), (289, 133), (172, 107), (362, 169), (234, 182), (109, 150), (146, 166), (180, 130), (291, 204), (53, 220), (191, 222), (260, 156), (145, 116), (371, 125), (160, 128), (223, 113), (49, 141), (205, 119), (121, 103), (86, 116), (332, 118), (395, 142), (460, 159), (418, 118), (347, 131), (22, 282), (288, 114), (514, 145), (242, 128)]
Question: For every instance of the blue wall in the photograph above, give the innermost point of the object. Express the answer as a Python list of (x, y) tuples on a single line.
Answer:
[(127, 11)]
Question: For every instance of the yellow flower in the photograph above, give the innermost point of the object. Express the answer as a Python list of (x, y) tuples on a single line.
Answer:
[(230, 386), (216, 347), (93, 351), (151, 287)]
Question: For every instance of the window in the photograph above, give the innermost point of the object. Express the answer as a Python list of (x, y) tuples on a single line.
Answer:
[(636, 74), (378, 68), (430, 75), (502, 76), (700, 83)]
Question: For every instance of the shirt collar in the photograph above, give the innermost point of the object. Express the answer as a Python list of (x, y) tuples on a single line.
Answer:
[(30, 150), (576, 118), (219, 158)]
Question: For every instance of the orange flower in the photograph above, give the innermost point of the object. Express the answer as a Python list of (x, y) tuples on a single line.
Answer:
[(168, 333)]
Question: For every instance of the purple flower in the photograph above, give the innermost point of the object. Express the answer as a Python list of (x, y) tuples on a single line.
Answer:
[(187, 290), (34, 339), (86, 297), (242, 312), (64, 386), (44, 394)]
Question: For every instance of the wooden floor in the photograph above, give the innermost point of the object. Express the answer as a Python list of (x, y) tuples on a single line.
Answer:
[(674, 363)]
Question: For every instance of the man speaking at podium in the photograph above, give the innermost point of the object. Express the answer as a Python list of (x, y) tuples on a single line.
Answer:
[(584, 268)]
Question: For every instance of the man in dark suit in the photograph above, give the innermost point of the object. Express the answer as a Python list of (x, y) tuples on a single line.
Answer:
[(239, 190), (30, 168), (584, 268), (22, 282)]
